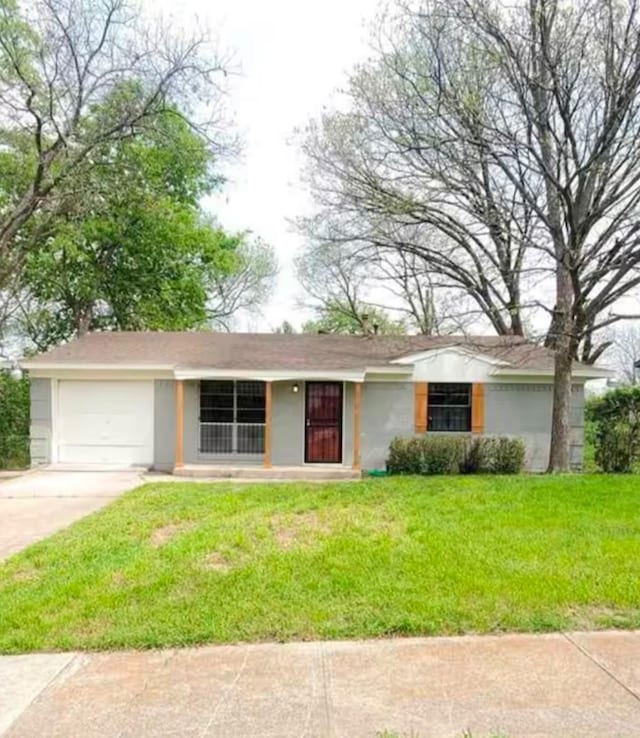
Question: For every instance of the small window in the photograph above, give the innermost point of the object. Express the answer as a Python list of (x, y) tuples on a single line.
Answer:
[(449, 408)]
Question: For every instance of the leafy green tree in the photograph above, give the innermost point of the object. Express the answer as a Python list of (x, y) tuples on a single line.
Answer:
[(337, 317), (79, 76), (616, 417), (127, 247), (14, 421)]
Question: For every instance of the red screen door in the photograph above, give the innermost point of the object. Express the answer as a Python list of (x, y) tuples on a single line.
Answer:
[(323, 422)]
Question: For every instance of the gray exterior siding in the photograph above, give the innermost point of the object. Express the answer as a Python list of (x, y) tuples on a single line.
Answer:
[(287, 430), (165, 424), (287, 426), (387, 412), (164, 432), (524, 410), (191, 423), (347, 425), (41, 421), (577, 427)]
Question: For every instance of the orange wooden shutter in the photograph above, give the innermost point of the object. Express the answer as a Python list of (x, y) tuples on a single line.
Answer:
[(420, 406), (477, 408)]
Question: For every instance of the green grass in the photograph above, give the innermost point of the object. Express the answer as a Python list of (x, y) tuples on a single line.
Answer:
[(178, 564)]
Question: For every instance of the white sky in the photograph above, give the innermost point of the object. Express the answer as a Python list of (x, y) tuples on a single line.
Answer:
[(293, 55)]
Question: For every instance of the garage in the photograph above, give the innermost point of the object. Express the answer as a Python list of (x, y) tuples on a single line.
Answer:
[(105, 422)]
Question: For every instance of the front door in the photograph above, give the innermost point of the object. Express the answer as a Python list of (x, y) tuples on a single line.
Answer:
[(323, 423)]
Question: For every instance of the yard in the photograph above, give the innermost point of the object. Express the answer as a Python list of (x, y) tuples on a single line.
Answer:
[(188, 563)]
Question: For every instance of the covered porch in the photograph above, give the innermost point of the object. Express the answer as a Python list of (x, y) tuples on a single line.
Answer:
[(254, 426)]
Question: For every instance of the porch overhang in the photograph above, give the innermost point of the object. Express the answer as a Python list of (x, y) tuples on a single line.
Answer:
[(268, 378)]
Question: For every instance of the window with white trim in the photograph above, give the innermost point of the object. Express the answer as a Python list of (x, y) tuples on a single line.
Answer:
[(449, 407), (232, 417)]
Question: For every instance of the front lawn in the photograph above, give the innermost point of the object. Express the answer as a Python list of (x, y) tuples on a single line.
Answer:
[(178, 564)]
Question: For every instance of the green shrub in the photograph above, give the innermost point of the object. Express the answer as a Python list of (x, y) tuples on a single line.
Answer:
[(426, 455), (14, 422), (442, 455), (448, 454), (404, 456), (615, 448), (508, 456), (478, 455), (616, 417)]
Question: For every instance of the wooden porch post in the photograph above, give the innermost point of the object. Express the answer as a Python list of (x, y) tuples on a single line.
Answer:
[(179, 460), (357, 406), (267, 425)]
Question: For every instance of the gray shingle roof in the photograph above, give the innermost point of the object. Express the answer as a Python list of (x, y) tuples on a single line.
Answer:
[(275, 351)]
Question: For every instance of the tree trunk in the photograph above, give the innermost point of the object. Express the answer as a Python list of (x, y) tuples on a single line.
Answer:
[(560, 453), (83, 320), (564, 347)]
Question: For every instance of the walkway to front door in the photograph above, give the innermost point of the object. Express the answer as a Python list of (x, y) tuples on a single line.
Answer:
[(323, 423)]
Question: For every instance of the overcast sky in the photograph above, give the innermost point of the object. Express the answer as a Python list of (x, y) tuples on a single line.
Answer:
[(293, 55)]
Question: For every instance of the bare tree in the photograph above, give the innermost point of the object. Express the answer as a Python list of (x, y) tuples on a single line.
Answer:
[(395, 171), (78, 74), (334, 278), (356, 279), (624, 354), (246, 286), (516, 133), (405, 283)]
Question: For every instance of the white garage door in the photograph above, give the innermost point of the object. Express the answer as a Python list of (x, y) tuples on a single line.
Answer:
[(105, 422)]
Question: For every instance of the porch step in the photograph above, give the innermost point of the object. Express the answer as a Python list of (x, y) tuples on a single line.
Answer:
[(293, 473)]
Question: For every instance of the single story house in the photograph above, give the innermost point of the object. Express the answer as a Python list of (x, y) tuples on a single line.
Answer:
[(186, 401)]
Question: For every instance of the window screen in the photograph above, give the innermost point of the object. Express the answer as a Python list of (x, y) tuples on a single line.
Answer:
[(232, 417), (216, 402), (449, 407), (250, 402)]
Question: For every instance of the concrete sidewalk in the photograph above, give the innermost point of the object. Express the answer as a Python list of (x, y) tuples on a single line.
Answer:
[(570, 686)]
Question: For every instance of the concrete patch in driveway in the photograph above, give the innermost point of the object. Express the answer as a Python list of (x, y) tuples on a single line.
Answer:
[(27, 520), (36, 505), (70, 484)]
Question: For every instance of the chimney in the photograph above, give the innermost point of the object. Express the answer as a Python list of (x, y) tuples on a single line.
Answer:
[(364, 320)]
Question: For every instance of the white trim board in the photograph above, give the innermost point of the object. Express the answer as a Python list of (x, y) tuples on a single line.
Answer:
[(583, 373), (278, 375)]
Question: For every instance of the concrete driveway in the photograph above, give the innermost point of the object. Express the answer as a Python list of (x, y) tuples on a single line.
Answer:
[(576, 685), (37, 504)]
